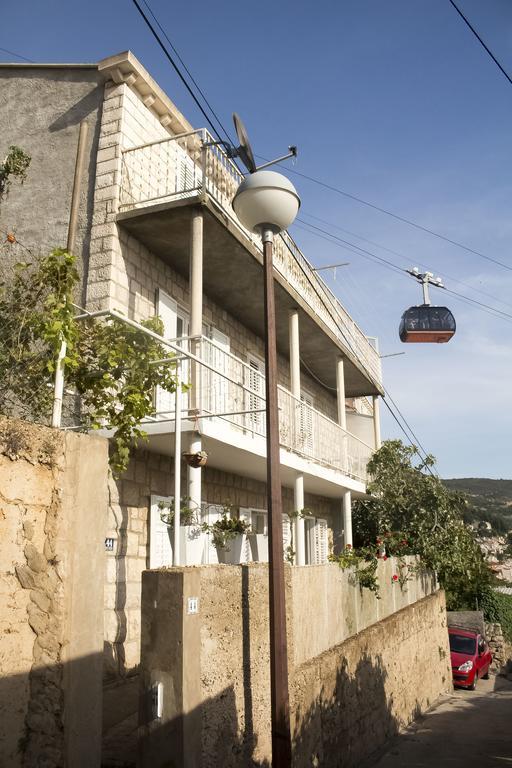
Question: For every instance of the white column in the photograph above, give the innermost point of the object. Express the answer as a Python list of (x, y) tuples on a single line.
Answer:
[(340, 388), (298, 496), (376, 422), (347, 518), (196, 329)]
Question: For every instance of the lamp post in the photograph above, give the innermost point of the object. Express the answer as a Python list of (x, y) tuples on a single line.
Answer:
[(266, 203)]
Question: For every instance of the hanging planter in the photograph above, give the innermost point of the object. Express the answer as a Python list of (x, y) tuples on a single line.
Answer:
[(197, 459)]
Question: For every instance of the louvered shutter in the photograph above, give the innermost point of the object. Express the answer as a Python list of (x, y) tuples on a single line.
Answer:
[(217, 386), (160, 550), (320, 541), (167, 310)]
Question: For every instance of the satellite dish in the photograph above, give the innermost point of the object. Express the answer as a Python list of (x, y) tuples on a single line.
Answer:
[(244, 151)]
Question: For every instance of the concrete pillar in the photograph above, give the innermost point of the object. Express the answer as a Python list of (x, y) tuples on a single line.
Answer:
[(196, 329), (340, 387), (347, 518), (300, 551), (376, 422)]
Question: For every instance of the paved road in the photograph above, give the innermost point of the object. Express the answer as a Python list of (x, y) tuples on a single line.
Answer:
[(464, 730)]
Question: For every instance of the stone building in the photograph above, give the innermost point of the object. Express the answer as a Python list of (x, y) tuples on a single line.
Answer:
[(157, 235)]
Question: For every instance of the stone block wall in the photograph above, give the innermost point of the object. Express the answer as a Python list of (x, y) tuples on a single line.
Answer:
[(350, 689), (53, 506), (128, 522)]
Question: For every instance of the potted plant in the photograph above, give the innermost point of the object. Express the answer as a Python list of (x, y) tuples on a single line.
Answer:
[(228, 536), (191, 531), (197, 459)]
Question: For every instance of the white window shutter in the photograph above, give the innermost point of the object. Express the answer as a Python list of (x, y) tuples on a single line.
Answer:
[(160, 550), (167, 310), (320, 541), (287, 534), (217, 386)]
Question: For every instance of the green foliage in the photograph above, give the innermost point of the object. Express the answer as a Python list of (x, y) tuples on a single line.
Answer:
[(497, 608), (114, 372), (15, 165), (364, 563), (488, 500), (226, 528), (110, 364), (429, 517), (36, 315), (189, 512)]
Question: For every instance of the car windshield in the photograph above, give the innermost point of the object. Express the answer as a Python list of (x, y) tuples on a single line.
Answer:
[(462, 644)]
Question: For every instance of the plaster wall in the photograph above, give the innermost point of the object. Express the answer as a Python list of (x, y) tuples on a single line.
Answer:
[(53, 506), (349, 688), (41, 112)]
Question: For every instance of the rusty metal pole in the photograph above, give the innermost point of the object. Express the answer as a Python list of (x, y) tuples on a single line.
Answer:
[(280, 708)]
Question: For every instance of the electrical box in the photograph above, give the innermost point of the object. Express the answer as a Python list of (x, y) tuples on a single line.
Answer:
[(157, 690)]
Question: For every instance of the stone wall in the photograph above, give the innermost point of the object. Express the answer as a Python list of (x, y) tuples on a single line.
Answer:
[(353, 682), (52, 506), (128, 522)]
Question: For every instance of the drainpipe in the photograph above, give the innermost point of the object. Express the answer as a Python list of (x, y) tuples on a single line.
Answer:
[(196, 329), (298, 490)]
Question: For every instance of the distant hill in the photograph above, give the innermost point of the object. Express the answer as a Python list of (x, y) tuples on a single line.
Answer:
[(489, 500)]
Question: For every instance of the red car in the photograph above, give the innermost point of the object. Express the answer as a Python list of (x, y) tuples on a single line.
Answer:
[(470, 655)]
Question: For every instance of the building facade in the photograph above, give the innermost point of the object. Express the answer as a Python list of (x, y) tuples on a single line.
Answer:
[(158, 235)]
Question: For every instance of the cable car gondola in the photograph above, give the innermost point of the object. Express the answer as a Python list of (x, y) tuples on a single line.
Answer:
[(425, 323)]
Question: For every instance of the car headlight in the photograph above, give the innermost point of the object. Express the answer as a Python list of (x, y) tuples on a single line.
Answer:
[(466, 667)]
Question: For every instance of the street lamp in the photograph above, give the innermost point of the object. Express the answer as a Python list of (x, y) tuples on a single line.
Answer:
[(267, 203)]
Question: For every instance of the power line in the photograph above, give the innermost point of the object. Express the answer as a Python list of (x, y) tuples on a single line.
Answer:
[(18, 55), (194, 81), (396, 216), (176, 68), (491, 54)]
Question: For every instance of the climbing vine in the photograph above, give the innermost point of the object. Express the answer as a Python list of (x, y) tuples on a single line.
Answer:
[(112, 366)]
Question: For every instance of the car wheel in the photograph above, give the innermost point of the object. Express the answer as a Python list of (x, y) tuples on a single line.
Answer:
[(472, 687), (486, 676)]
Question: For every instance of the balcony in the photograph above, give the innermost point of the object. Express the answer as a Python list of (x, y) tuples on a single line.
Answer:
[(162, 178), (227, 404)]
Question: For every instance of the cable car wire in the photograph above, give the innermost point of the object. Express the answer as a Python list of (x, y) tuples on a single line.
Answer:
[(389, 264), (401, 256), (486, 47)]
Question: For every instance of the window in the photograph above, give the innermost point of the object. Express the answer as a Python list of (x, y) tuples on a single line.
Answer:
[(176, 326), (216, 386), (316, 543), (255, 381), (160, 549), (306, 423)]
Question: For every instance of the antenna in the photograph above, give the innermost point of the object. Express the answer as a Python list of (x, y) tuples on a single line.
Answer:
[(244, 151)]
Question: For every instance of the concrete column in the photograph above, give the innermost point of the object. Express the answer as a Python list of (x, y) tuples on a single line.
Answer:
[(298, 500), (376, 422), (347, 518), (196, 329), (340, 387)]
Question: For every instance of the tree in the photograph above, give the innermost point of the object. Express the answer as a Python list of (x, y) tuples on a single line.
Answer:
[(410, 504), (112, 366)]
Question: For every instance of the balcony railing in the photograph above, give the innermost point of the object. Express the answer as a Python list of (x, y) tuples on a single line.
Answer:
[(191, 164), (231, 393)]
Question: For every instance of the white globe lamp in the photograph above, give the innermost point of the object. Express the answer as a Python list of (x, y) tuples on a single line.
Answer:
[(266, 200)]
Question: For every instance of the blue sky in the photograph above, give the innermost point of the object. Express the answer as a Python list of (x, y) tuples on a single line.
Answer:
[(396, 103)]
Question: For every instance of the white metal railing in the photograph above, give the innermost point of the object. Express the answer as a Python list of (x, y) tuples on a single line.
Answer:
[(231, 392), (191, 164)]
